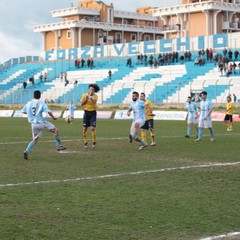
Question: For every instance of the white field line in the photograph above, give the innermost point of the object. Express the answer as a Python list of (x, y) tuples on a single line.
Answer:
[(121, 174), (227, 235), (105, 139)]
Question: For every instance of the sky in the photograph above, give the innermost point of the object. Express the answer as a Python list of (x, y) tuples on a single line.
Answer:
[(17, 18)]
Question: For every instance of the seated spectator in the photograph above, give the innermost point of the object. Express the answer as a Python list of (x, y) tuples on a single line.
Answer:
[(196, 62), (182, 59)]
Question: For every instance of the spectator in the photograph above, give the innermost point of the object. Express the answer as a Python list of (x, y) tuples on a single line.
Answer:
[(236, 53), (234, 98), (41, 77), (24, 84), (109, 74), (45, 77)]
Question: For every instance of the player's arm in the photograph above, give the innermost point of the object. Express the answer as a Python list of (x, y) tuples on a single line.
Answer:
[(149, 109), (208, 113), (92, 99), (84, 100), (24, 109), (51, 115), (129, 111)]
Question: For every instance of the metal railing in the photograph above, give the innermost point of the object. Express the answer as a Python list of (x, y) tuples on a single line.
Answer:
[(118, 93)]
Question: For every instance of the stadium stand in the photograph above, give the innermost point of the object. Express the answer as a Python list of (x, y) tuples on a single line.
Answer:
[(163, 84)]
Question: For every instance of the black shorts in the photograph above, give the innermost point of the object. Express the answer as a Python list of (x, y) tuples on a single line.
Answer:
[(228, 118), (148, 124), (89, 118)]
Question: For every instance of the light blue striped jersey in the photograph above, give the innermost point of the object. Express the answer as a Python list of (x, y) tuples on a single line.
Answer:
[(34, 110), (205, 106), (191, 107), (138, 110)]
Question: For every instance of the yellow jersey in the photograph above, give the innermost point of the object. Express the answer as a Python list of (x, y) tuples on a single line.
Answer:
[(147, 102), (229, 108), (89, 105)]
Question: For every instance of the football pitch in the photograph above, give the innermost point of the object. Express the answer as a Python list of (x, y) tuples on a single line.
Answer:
[(178, 189)]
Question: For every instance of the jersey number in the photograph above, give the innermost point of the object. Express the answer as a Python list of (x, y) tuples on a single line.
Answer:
[(34, 111)]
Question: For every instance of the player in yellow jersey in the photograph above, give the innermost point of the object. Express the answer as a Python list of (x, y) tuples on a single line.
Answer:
[(149, 123), (89, 103), (229, 114)]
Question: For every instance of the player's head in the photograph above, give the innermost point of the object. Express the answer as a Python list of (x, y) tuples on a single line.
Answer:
[(189, 99), (204, 95), (37, 94), (229, 99), (143, 96), (135, 96), (93, 88)]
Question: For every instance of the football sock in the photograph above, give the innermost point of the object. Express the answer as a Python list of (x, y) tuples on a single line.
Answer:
[(58, 142), (196, 130), (30, 146), (94, 135), (211, 132), (230, 125), (85, 137), (152, 136), (200, 131), (144, 136), (189, 130)]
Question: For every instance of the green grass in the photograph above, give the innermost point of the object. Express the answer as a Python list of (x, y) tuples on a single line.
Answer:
[(172, 204)]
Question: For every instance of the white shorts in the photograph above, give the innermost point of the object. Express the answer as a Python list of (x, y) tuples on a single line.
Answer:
[(38, 128), (192, 120), (140, 122), (204, 123)]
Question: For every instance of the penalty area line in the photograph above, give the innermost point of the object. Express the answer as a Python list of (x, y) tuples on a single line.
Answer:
[(121, 174), (227, 235)]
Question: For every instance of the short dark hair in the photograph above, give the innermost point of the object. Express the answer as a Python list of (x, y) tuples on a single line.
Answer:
[(189, 97), (142, 93), (204, 92), (136, 93), (37, 94), (95, 86)]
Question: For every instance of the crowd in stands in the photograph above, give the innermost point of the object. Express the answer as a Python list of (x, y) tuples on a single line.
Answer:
[(81, 63)]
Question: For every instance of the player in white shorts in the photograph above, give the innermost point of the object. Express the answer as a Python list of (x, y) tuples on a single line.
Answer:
[(34, 110), (205, 119), (192, 119), (138, 107)]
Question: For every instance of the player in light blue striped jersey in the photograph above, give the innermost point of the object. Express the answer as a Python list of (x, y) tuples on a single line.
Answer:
[(205, 119), (34, 110), (138, 107), (192, 119)]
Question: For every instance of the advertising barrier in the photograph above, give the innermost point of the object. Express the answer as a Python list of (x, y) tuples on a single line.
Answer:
[(100, 114), (159, 115), (6, 113)]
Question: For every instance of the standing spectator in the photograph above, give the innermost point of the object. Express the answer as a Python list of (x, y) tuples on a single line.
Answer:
[(236, 53), (234, 98), (205, 119), (24, 84), (109, 74), (82, 62), (35, 109), (229, 112), (89, 103)]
